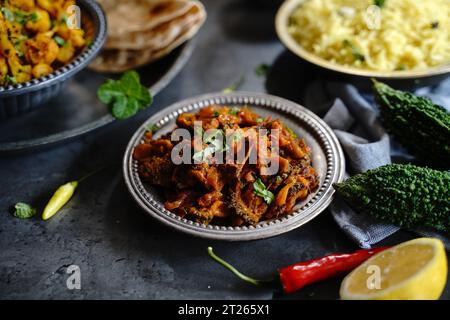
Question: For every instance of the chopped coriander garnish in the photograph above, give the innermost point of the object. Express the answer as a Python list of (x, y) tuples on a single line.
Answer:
[(380, 3), (214, 146), (59, 40), (237, 136), (234, 111), (291, 132), (8, 14), (212, 136), (24, 211), (260, 190), (259, 120), (34, 17), (152, 128), (10, 80), (23, 17), (435, 25), (125, 96), (262, 69), (216, 114), (355, 51)]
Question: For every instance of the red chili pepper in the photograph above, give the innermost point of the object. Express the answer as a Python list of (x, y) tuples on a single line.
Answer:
[(297, 276), (301, 274)]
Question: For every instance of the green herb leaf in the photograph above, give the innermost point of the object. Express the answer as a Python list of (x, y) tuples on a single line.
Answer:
[(34, 17), (125, 96), (260, 190), (24, 211), (357, 54), (8, 14), (237, 136), (262, 69), (234, 111), (214, 146), (234, 86), (10, 80), (380, 3), (152, 128), (23, 17), (259, 120), (59, 40), (291, 132), (210, 137)]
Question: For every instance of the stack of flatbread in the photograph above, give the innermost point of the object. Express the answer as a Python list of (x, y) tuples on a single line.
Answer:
[(141, 31)]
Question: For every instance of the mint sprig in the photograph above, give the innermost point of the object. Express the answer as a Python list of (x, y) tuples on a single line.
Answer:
[(125, 96)]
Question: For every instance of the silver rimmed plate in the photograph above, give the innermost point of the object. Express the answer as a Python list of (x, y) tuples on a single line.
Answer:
[(327, 155)]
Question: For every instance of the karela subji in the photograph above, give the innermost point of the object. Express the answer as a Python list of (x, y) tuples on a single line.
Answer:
[(418, 124), (405, 195)]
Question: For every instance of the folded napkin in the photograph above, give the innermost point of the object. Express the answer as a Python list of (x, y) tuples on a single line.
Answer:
[(354, 118)]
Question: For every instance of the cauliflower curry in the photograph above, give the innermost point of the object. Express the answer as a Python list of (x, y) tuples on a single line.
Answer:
[(35, 39)]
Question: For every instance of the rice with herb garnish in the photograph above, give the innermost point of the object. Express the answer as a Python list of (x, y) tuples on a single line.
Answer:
[(406, 35)]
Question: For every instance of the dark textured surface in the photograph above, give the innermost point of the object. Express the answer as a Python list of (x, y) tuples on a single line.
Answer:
[(121, 252)]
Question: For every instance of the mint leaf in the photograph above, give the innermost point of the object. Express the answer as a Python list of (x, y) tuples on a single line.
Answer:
[(124, 107), (260, 190), (24, 211), (109, 91), (125, 96)]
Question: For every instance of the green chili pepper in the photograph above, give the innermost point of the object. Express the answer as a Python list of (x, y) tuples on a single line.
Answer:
[(61, 196)]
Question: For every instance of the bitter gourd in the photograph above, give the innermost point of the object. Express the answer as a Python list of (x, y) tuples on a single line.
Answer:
[(418, 124), (405, 195)]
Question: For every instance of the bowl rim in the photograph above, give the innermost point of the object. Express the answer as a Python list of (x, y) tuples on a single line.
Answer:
[(315, 205), (281, 26), (80, 62)]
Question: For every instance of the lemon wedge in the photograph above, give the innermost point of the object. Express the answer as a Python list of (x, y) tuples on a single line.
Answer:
[(412, 270)]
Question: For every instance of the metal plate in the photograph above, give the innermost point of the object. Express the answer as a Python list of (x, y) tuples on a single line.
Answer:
[(77, 111), (327, 156)]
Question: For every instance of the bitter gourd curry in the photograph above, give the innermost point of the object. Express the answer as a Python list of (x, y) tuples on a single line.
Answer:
[(236, 191), (417, 123), (404, 195), (35, 38)]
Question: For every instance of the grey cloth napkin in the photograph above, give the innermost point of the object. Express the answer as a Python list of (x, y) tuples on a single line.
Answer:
[(354, 118)]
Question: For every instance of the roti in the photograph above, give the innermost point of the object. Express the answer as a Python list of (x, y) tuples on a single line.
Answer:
[(120, 60), (159, 37), (128, 16)]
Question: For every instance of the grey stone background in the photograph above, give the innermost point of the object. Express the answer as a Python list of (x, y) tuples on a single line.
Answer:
[(122, 253)]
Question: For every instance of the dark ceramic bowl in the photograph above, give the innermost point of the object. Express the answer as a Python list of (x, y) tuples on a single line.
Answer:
[(24, 97)]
